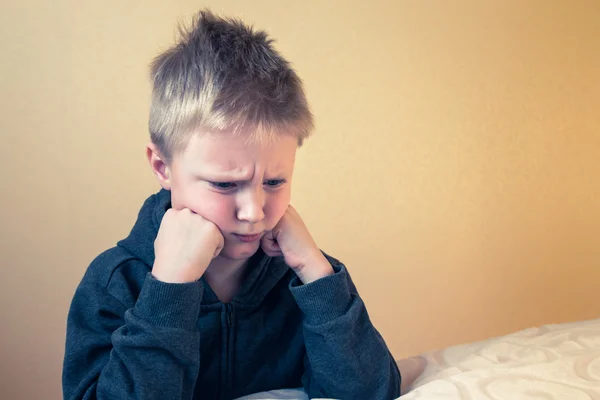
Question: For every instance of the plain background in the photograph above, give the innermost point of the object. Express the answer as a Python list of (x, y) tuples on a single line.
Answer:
[(454, 168)]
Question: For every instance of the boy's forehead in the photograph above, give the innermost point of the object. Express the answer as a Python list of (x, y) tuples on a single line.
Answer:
[(221, 153)]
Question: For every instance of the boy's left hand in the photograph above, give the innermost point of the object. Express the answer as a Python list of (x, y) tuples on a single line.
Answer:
[(291, 238)]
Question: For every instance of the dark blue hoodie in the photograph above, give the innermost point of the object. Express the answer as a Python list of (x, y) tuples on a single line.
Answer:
[(130, 336)]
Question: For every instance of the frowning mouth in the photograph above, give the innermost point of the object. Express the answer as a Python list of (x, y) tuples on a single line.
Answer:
[(248, 238)]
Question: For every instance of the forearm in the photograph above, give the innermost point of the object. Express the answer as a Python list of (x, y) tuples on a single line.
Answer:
[(145, 364), (348, 359), (147, 352), (346, 356)]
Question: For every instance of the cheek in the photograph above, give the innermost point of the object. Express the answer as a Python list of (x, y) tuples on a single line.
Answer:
[(276, 207), (216, 208), (212, 206)]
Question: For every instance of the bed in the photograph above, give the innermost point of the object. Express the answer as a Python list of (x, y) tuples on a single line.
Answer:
[(560, 361), (550, 362)]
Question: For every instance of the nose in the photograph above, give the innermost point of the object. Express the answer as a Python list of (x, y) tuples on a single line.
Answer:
[(251, 206)]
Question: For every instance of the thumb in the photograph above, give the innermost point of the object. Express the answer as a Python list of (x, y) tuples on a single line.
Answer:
[(270, 246), (218, 250), (220, 244)]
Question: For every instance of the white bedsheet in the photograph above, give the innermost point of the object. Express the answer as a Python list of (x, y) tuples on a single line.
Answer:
[(552, 362)]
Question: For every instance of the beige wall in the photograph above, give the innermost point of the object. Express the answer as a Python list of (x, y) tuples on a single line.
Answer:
[(454, 169)]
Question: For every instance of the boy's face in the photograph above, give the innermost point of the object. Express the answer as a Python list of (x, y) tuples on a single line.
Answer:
[(242, 188)]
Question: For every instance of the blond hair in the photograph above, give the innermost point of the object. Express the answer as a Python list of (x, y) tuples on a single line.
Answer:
[(224, 76)]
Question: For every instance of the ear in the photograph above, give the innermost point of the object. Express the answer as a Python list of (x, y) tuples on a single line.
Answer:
[(159, 166)]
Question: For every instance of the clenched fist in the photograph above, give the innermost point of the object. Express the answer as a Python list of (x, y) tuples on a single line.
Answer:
[(185, 246), (291, 239)]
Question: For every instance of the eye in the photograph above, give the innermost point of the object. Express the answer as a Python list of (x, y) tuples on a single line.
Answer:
[(274, 182), (223, 185)]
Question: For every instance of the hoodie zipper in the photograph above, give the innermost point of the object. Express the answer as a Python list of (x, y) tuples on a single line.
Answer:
[(228, 315), (226, 357)]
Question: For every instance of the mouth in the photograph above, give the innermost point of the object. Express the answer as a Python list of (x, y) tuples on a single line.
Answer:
[(248, 238)]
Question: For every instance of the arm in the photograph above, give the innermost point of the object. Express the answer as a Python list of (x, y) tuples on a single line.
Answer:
[(345, 355), (149, 351)]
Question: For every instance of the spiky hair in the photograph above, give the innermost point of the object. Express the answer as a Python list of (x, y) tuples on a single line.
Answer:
[(222, 75)]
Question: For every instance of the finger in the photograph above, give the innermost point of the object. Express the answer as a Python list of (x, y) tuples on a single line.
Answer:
[(218, 251), (269, 237), (273, 253), (270, 246)]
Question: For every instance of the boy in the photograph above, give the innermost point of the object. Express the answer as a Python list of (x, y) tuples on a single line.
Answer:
[(220, 291)]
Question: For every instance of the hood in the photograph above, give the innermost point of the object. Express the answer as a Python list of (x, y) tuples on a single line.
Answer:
[(263, 271), (140, 241)]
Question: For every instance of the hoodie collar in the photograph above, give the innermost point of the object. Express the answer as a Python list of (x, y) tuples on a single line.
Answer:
[(140, 241), (263, 271)]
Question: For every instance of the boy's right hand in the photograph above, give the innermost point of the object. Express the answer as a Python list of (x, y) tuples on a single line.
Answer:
[(184, 247)]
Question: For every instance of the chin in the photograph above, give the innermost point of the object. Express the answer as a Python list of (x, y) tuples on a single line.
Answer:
[(240, 251)]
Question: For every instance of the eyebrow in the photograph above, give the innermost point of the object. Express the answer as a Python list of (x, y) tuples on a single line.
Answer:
[(232, 176), (221, 174)]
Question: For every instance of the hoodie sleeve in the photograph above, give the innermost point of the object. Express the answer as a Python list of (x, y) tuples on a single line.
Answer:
[(346, 357), (148, 351)]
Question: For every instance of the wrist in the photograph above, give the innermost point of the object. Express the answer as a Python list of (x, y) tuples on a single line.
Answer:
[(169, 305), (315, 269), (174, 275)]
